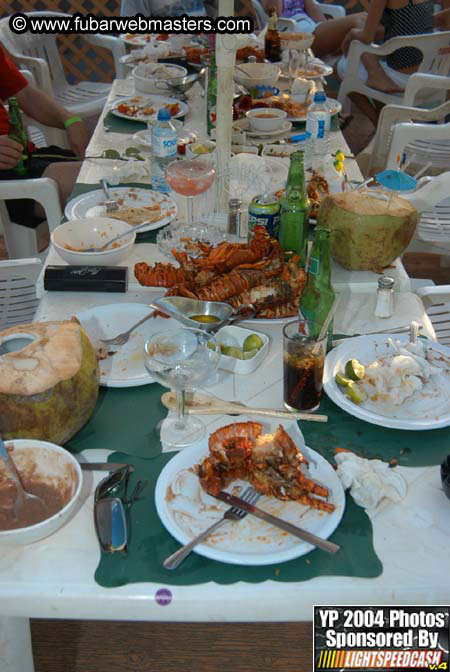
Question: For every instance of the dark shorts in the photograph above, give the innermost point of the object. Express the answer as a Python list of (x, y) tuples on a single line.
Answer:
[(21, 210)]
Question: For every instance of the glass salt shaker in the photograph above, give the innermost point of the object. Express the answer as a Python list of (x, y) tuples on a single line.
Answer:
[(234, 216), (385, 297)]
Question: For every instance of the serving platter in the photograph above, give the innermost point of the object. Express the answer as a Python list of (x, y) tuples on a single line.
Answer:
[(428, 408), (185, 510), (147, 102), (92, 204)]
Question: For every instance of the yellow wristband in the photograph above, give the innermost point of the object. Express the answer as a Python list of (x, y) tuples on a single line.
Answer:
[(72, 120)]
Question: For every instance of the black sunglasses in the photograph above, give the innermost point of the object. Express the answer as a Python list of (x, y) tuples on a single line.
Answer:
[(110, 514)]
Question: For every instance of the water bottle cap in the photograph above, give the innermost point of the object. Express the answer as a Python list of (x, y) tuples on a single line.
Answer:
[(164, 114), (320, 97)]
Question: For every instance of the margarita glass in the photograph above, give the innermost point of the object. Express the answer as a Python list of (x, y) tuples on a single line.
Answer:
[(190, 177)]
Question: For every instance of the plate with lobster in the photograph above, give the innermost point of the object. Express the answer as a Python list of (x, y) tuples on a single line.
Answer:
[(240, 274), (296, 483)]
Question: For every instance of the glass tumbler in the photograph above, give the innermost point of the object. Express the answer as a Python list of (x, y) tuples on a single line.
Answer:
[(303, 362)]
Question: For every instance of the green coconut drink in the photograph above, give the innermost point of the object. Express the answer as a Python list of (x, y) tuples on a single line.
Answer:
[(49, 385), (367, 230)]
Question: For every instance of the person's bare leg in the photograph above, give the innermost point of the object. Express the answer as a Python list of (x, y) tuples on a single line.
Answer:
[(366, 107), (330, 34), (65, 175), (377, 78)]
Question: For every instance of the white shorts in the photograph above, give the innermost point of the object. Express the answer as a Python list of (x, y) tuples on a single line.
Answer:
[(305, 24)]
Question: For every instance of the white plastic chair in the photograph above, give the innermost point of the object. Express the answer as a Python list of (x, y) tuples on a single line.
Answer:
[(418, 133), (437, 305), (432, 63), (40, 135), (21, 240), (40, 55), (18, 300)]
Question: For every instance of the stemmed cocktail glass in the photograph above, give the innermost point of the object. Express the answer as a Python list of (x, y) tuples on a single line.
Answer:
[(180, 358), (190, 177)]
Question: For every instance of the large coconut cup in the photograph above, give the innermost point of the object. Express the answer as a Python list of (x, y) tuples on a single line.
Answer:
[(368, 231), (48, 381)]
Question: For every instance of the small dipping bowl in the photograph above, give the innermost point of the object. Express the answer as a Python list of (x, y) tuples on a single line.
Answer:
[(266, 118), (184, 309)]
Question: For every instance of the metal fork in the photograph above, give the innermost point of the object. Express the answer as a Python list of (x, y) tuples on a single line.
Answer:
[(173, 561), (122, 338), (110, 204)]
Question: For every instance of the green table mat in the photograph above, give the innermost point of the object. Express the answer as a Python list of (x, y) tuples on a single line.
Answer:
[(410, 448), (150, 544), (84, 188)]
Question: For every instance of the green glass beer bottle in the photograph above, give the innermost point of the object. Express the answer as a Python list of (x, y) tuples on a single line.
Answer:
[(18, 132), (294, 215), (318, 295), (211, 95)]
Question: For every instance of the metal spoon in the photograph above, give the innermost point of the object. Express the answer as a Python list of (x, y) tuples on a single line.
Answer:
[(113, 240), (21, 494)]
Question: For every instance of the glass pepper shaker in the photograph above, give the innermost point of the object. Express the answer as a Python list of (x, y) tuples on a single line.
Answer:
[(385, 297)]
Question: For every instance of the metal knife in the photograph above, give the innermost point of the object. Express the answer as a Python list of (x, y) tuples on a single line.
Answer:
[(103, 466), (325, 545)]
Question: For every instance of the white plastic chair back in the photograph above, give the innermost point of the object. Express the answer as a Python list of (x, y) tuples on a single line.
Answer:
[(432, 63), (40, 54), (18, 300), (437, 305), (432, 201)]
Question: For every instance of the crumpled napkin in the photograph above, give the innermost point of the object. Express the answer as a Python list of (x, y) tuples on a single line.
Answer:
[(369, 481)]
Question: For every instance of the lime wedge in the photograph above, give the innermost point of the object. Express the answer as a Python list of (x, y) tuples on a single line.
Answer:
[(356, 393), (252, 342), (342, 380), (354, 370), (250, 353), (232, 351)]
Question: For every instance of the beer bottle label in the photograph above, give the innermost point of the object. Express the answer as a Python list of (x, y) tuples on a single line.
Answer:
[(314, 266)]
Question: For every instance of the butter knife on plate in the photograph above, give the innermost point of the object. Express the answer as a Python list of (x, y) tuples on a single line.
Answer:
[(103, 466), (325, 545)]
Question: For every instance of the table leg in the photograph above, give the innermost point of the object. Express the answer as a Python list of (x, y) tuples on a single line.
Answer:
[(16, 654)]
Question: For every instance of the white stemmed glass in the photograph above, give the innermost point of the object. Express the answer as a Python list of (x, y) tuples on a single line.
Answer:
[(180, 358)]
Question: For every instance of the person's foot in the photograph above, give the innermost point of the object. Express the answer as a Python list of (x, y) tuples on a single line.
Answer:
[(382, 82)]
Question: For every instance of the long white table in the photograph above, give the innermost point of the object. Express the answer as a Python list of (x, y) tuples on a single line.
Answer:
[(54, 578)]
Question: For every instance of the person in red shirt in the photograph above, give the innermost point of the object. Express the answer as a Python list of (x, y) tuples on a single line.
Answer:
[(41, 107)]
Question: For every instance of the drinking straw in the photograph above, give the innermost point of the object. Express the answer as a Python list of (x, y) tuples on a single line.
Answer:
[(328, 319)]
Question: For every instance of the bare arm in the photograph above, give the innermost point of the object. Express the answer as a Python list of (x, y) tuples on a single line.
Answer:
[(277, 5), (313, 11), (40, 106)]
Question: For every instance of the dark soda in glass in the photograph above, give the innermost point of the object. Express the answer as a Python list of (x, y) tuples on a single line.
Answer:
[(303, 362)]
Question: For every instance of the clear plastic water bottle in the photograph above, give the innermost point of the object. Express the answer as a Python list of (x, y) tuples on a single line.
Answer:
[(318, 124), (164, 149)]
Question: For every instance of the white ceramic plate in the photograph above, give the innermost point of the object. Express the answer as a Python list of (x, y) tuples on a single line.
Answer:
[(126, 368), (285, 128), (92, 204), (185, 510), (323, 70), (153, 101), (136, 40), (333, 105), (428, 408)]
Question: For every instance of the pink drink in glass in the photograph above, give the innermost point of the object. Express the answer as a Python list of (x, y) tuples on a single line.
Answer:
[(190, 178)]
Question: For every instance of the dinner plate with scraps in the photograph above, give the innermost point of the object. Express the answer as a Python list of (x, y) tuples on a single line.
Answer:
[(333, 105), (144, 104), (314, 70), (426, 408), (92, 204), (185, 510), (136, 40), (126, 367)]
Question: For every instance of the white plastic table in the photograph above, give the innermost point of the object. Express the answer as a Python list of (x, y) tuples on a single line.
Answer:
[(54, 578)]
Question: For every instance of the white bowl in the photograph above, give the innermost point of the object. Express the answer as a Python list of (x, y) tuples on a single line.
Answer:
[(254, 74), (53, 465), (236, 336), (146, 82), (266, 118), (92, 232), (192, 146)]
